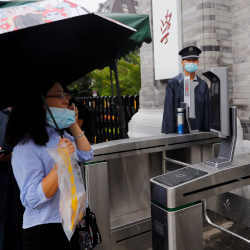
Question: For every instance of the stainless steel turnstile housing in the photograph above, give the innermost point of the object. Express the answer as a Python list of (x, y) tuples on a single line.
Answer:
[(119, 186), (179, 200)]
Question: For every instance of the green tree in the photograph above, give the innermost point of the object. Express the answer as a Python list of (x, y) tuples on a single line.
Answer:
[(99, 80), (129, 77), (81, 87)]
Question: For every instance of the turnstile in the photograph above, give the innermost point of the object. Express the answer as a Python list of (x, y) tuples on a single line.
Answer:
[(119, 187), (179, 197), (175, 226)]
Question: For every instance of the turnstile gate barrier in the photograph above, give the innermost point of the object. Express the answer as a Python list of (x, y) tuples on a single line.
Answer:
[(178, 201), (178, 197), (175, 228)]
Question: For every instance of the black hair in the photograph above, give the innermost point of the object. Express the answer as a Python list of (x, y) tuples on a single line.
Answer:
[(27, 121)]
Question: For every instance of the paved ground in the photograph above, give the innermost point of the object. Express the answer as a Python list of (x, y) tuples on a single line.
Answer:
[(225, 242), (216, 240)]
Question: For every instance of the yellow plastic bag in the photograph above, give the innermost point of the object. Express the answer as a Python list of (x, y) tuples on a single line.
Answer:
[(72, 191)]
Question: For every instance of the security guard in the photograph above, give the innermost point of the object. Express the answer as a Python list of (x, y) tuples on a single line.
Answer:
[(175, 94)]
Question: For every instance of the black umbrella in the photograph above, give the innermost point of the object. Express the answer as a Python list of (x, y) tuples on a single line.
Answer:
[(56, 40)]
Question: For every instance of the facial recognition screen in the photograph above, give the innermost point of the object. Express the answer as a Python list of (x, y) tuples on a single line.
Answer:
[(215, 104), (219, 101)]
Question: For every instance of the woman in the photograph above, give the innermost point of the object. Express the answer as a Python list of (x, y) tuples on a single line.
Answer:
[(30, 132)]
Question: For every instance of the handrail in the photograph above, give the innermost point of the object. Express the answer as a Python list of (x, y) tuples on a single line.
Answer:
[(180, 163), (209, 221)]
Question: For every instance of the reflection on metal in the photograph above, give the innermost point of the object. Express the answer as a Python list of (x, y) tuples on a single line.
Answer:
[(125, 147), (216, 181), (227, 147), (129, 179), (187, 114), (180, 163), (164, 169), (234, 206), (208, 220), (185, 188), (177, 230), (138, 230), (220, 120), (120, 189), (98, 194)]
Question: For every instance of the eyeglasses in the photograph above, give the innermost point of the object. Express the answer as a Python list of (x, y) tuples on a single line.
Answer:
[(60, 96)]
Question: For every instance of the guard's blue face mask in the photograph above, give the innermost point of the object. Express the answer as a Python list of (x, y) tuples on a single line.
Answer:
[(64, 117), (191, 67)]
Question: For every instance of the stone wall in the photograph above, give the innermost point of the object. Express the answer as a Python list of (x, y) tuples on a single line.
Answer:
[(221, 28), (241, 53), (147, 121), (118, 6), (152, 92), (208, 24)]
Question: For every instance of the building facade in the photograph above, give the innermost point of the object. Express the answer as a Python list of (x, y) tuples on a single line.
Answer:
[(118, 6), (221, 28)]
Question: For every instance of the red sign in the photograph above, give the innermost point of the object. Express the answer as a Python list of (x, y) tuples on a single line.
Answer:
[(165, 27)]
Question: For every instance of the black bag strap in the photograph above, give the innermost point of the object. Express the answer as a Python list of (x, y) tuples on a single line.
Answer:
[(90, 222)]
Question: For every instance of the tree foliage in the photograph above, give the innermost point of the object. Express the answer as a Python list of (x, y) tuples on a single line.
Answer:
[(128, 73), (81, 87), (99, 80)]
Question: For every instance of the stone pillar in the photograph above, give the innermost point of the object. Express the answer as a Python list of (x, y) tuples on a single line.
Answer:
[(147, 122), (208, 25), (241, 59)]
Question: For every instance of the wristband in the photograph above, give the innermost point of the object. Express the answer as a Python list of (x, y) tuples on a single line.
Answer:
[(79, 136)]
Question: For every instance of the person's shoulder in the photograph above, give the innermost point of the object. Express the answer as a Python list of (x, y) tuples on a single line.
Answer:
[(202, 82), (25, 153), (176, 79), (203, 86), (26, 146)]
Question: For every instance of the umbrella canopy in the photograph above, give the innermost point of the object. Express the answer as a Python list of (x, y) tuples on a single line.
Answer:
[(55, 40), (139, 22)]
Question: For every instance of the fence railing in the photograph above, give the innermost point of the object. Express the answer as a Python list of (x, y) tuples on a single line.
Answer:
[(101, 116)]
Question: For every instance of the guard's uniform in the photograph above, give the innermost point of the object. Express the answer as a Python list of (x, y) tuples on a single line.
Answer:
[(175, 96)]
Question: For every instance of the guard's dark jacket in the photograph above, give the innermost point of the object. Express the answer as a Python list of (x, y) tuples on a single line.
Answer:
[(175, 96)]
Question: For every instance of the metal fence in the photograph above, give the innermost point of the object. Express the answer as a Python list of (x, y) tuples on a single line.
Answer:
[(101, 116)]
